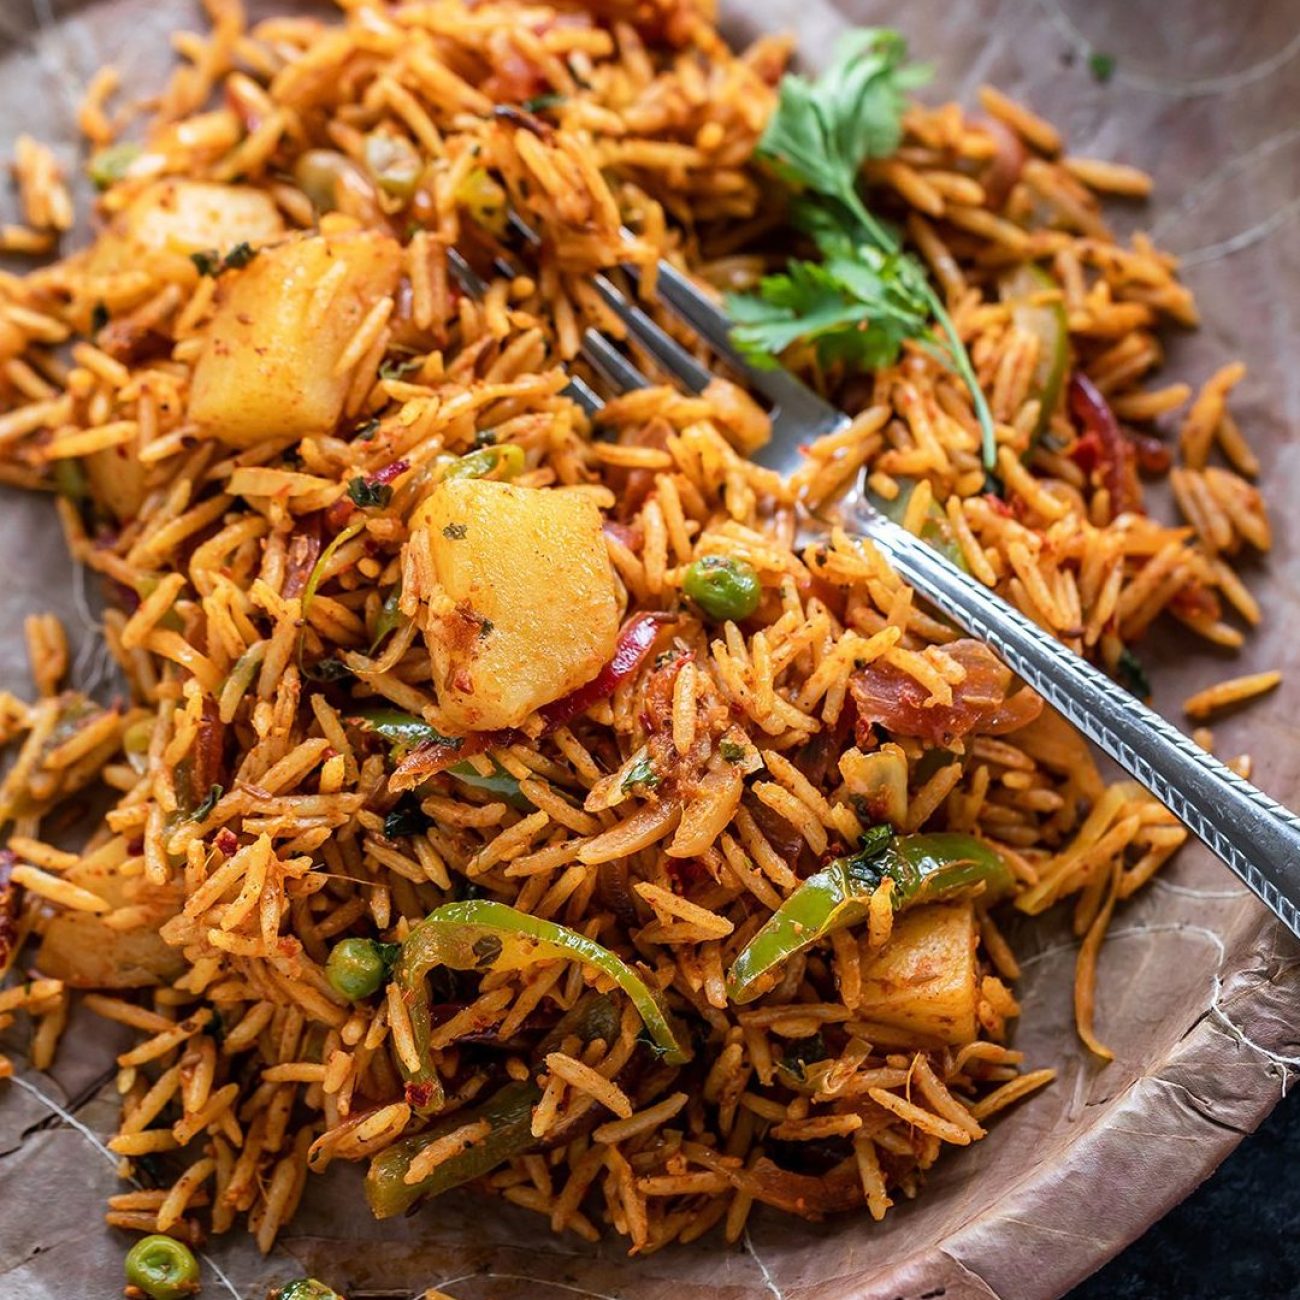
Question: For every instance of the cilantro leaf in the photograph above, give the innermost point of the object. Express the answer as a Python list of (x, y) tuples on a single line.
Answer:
[(867, 297), (823, 130)]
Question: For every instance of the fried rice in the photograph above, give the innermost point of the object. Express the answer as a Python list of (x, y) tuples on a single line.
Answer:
[(260, 603)]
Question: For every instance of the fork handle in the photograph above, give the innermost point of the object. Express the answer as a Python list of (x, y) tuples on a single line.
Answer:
[(1257, 837)]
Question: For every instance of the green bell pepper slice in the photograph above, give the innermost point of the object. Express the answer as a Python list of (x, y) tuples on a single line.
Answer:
[(924, 869), (482, 935), (508, 1111)]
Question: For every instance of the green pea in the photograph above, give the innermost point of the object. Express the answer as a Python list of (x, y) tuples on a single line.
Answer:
[(394, 163), (502, 462), (357, 967), (307, 1288), (723, 588), (162, 1267)]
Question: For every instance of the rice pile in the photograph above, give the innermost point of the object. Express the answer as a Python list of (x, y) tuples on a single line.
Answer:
[(255, 607)]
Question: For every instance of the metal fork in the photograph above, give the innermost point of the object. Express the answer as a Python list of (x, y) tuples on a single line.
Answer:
[(1257, 837)]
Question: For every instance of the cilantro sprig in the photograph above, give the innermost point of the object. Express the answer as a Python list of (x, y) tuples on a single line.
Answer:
[(867, 296)]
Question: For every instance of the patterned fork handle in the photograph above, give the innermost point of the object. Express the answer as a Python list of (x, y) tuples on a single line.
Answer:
[(1257, 837)]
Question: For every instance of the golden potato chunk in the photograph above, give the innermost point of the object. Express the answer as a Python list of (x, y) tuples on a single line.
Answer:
[(269, 365), (531, 609), (924, 978), (171, 219)]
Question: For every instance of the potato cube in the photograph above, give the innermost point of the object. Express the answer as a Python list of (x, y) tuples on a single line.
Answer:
[(531, 609), (171, 219), (269, 363), (924, 978)]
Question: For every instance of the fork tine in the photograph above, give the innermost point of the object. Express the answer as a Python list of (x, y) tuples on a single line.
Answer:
[(615, 369), (466, 276), (657, 341), (474, 285), (800, 415), (797, 406)]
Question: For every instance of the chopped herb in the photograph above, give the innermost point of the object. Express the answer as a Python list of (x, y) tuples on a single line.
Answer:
[(731, 751), (485, 626), (641, 776), (366, 429), (396, 369), (202, 812), (539, 103), (239, 257), (803, 1052), (1133, 674), (1101, 65), (866, 296), (328, 670), (407, 818), (875, 840), (98, 318), (485, 437), (208, 262), (455, 532), (366, 494), (486, 949)]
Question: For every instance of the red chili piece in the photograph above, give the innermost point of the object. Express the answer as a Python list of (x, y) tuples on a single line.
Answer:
[(1103, 444), (634, 643)]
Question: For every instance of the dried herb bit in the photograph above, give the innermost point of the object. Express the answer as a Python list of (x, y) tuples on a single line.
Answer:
[(539, 103), (800, 1053), (455, 532), (204, 810), (210, 262), (207, 262), (1101, 65), (641, 776), (98, 317), (366, 429), (406, 818), (328, 670), (367, 495), (731, 751), (1132, 674), (486, 950), (239, 257)]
